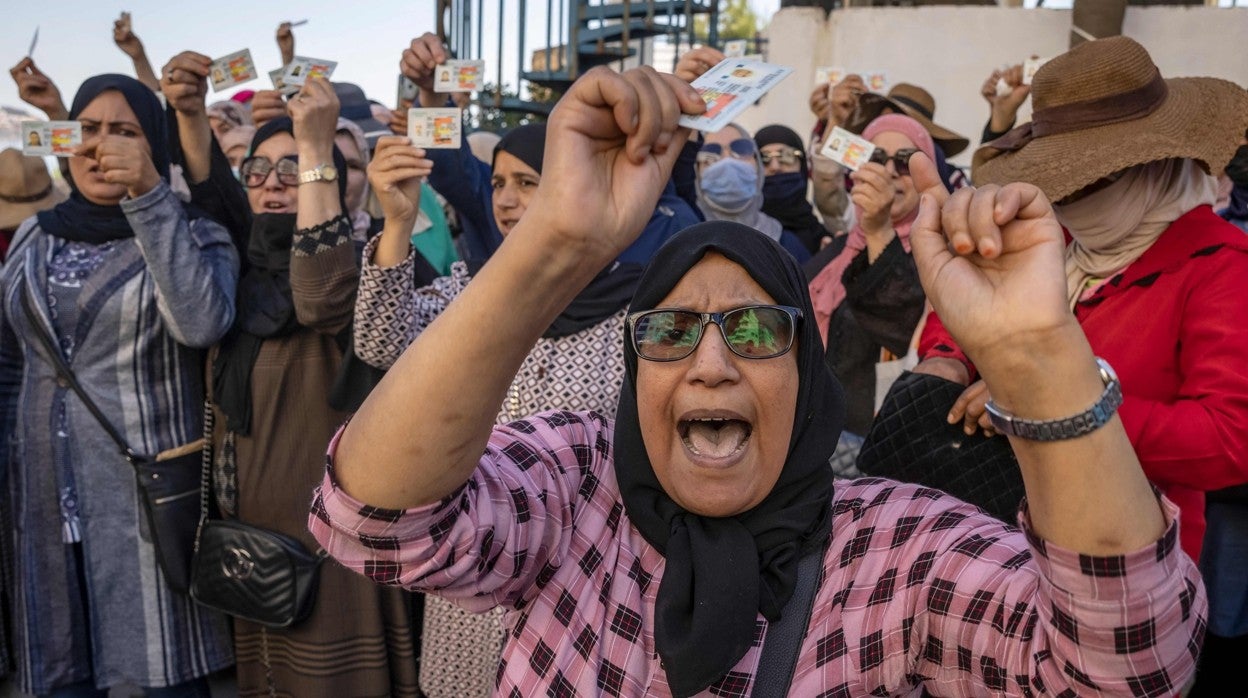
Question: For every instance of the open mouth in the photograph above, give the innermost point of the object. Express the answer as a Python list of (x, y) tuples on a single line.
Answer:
[(276, 207), (715, 437)]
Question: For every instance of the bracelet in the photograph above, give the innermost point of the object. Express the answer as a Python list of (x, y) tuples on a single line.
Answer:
[(1071, 427)]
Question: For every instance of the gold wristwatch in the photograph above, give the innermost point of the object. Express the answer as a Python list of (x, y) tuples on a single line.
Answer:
[(320, 173)]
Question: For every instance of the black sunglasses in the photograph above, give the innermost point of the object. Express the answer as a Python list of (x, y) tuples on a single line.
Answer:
[(751, 332), (255, 171), (901, 159)]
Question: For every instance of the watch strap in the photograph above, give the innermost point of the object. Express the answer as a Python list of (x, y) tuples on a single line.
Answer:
[(1070, 427)]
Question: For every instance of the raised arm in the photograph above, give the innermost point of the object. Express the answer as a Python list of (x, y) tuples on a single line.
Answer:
[(990, 260), (129, 43), (193, 263), (38, 90), (184, 83), (614, 141)]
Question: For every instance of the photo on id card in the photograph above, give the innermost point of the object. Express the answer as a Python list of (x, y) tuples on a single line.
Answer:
[(301, 69), (57, 138), (729, 88), (435, 128)]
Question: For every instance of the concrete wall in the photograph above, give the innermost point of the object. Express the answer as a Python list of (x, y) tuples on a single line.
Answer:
[(950, 51)]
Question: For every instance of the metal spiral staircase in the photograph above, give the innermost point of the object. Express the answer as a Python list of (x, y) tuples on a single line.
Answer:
[(571, 36)]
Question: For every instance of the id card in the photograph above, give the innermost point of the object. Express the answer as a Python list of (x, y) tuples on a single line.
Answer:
[(279, 84), (829, 74), (435, 128), (877, 81), (729, 88), (735, 48), (847, 149), (408, 91), (459, 76), (1030, 66), (58, 138), (300, 69), (233, 69)]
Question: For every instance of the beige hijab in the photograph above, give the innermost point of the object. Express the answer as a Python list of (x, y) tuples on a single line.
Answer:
[(1114, 226)]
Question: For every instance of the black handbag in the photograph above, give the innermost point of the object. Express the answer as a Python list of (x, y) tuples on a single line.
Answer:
[(250, 572), (167, 482), (910, 440)]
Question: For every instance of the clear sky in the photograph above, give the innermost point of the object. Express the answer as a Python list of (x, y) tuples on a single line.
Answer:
[(366, 38)]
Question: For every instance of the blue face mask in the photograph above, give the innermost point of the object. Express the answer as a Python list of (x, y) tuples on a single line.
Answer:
[(237, 176), (730, 183), (783, 186)]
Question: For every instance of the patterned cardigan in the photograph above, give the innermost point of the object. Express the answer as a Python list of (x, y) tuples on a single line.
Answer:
[(580, 372), (143, 318)]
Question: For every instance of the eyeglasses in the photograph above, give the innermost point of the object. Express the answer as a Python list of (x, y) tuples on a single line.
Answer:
[(786, 156), (741, 149), (901, 159), (255, 171), (751, 332)]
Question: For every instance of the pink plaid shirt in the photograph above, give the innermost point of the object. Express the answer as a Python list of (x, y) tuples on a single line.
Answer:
[(919, 589)]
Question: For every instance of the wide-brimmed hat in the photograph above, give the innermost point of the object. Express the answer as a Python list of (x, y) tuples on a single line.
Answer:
[(1103, 107), (916, 103), (25, 188)]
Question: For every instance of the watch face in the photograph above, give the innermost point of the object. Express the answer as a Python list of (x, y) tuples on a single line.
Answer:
[(329, 173)]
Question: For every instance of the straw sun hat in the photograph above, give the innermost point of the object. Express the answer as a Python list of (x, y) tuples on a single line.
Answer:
[(1103, 107), (25, 188), (916, 103)]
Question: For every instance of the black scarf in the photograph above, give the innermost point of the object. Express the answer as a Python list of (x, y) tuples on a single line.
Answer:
[(264, 306), (722, 572), (77, 218), (784, 195)]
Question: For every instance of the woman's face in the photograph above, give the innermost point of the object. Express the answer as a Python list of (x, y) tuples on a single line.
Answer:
[(219, 126), (357, 172), (906, 196), (273, 196), (514, 184), (236, 154), (774, 155), (107, 115), (750, 403)]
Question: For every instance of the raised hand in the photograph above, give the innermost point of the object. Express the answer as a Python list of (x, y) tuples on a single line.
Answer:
[(184, 82), (1004, 107), (844, 99), (696, 62), (314, 112), (125, 161), (991, 262), (873, 193), (125, 38), (38, 90), (819, 101), (421, 58), (395, 173), (266, 106), (611, 144), (286, 42)]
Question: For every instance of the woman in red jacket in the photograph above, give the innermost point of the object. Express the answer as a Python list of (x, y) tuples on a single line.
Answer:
[(1158, 282)]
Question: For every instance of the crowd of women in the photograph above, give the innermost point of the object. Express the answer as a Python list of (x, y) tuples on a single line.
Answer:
[(581, 383)]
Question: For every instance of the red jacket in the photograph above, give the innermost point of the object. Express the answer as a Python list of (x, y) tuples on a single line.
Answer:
[(1174, 325)]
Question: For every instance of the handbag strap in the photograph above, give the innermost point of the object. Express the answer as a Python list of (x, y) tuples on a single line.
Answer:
[(205, 468), (66, 375), (784, 637)]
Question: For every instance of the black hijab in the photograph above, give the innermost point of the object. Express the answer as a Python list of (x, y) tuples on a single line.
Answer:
[(722, 572), (784, 194), (265, 307), (77, 218), (611, 289)]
